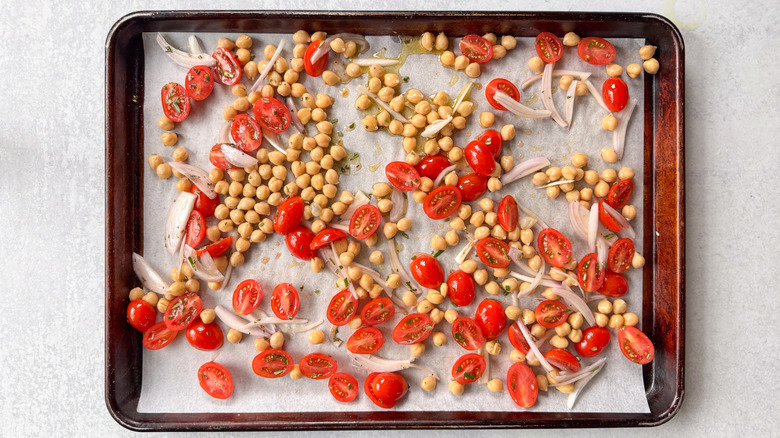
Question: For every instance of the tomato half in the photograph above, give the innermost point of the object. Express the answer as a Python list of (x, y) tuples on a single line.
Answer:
[(288, 215), (285, 301), (342, 308), (204, 336), (246, 132), (216, 380), (551, 313), (377, 311), (199, 82), (620, 193), (615, 94), (517, 339), (467, 333), (217, 158), (318, 67), (554, 247), (472, 186), (596, 51), (402, 176), (271, 114), (196, 229), (461, 288), (562, 359), (468, 368), (217, 248), (635, 345), (318, 366), (430, 166), (183, 311), (365, 340), (158, 336), (272, 363), (343, 387), (427, 271), (480, 158), (175, 102), (590, 273), (492, 140), (594, 339), (493, 252), (508, 216), (299, 243), (141, 315), (228, 69), (247, 296), (490, 317), (442, 202), (203, 203), (615, 285), (621, 254), (522, 385), (414, 328), (503, 85), (326, 236), (364, 222), (606, 219), (385, 389), (548, 47), (476, 48)]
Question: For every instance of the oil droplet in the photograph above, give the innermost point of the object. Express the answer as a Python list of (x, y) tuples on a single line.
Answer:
[(454, 80), (377, 147), (520, 144), (264, 260), (344, 92), (373, 167), (527, 131), (533, 99), (536, 149), (278, 254), (468, 133), (294, 264)]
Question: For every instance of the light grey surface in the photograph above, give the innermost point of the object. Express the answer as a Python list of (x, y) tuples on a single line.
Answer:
[(52, 172)]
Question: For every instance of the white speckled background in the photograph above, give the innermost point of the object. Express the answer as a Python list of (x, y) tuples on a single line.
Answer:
[(51, 167)]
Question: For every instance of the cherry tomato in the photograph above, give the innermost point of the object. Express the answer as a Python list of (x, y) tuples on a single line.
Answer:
[(507, 213), (247, 296), (461, 288), (342, 308), (320, 65), (596, 51), (158, 336), (427, 271), (199, 82), (285, 301), (365, 340), (606, 219), (554, 247), (490, 318), (288, 215), (377, 311), (217, 248), (196, 229), (635, 345), (217, 158), (216, 380), (472, 186), (467, 333), (204, 336), (430, 166), (615, 93), (476, 48), (522, 385), (442, 202), (480, 158), (385, 389), (493, 252), (271, 114), (141, 315), (621, 255), (594, 339), (548, 47), (343, 387), (364, 222), (203, 203), (183, 311), (620, 193), (562, 359), (517, 339), (175, 102), (318, 366), (228, 69), (414, 328), (615, 285), (299, 243), (272, 363), (246, 132), (492, 140), (326, 236), (503, 85), (590, 273), (551, 313), (402, 176), (468, 368)]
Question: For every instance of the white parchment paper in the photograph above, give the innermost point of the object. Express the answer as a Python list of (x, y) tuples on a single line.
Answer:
[(169, 375)]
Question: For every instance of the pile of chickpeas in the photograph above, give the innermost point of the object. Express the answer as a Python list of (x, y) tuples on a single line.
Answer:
[(441, 43)]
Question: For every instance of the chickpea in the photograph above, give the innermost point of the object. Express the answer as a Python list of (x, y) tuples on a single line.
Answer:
[(442, 98), (136, 293), (651, 66), (536, 64), (441, 42), (417, 350), (540, 179), (473, 70), (330, 78), (456, 388), (468, 266), (633, 70), (616, 321), (609, 175), (558, 341), (609, 123), (369, 123), (169, 138), (163, 171), (575, 335), (427, 40), (628, 212), (517, 356), (428, 383), (630, 319), (234, 336), (609, 155), (499, 51), (226, 43), (582, 89), (571, 39), (601, 319), (646, 52), (229, 113), (614, 70), (604, 306), (537, 330), (439, 339), (405, 224), (250, 70), (301, 37), (480, 276), (507, 132), (565, 82), (494, 184)]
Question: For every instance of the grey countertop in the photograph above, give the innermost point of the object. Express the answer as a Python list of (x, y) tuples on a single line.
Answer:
[(52, 168)]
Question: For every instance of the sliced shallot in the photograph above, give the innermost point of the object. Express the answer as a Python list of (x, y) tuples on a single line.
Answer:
[(375, 98), (532, 343), (518, 108), (377, 364), (176, 222), (579, 386), (198, 176), (182, 58), (360, 200), (150, 279), (576, 302), (593, 227), (571, 94), (367, 62), (442, 174), (546, 97), (203, 267), (524, 168), (290, 103), (578, 216), (236, 157), (619, 135), (595, 93), (237, 323), (270, 65), (399, 205), (625, 225)]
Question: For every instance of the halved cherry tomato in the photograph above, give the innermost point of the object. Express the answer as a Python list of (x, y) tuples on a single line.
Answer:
[(402, 176), (414, 328), (196, 229), (364, 222), (288, 215), (203, 203), (247, 296), (480, 158), (141, 315), (228, 69), (326, 236), (461, 288), (467, 333), (635, 345), (620, 193), (299, 243), (490, 317), (377, 311), (427, 271), (606, 219), (476, 48), (492, 140), (216, 380), (158, 336), (507, 213), (430, 166), (199, 82), (503, 85), (472, 186), (343, 387), (272, 363), (342, 308), (468, 368), (562, 359), (594, 339), (246, 132), (590, 273), (442, 202), (493, 252), (615, 285), (517, 339), (183, 311), (522, 385), (385, 389), (548, 47), (204, 336), (365, 340), (554, 247), (318, 366), (271, 114), (596, 51), (217, 248), (318, 67), (175, 101), (551, 313), (285, 301), (217, 158), (615, 93), (620, 255)]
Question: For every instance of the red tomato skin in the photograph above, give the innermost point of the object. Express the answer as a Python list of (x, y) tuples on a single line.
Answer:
[(548, 47), (503, 85), (205, 337), (188, 306), (442, 202), (470, 341), (203, 203), (551, 313), (594, 339), (385, 389), (457, 368), (476, 48), (310, 366), (326, 236), (554, 247), (219, 384), (349, 305), (199, 82), (407, 325), (596, 51), (217, 248), (461, 288), (299, 243), (430, 166), (354, 343), (621, 254), (196, 229), (427, 271), (228, 69), (175, 102), (242, 125), (402, 176), (615, 285), (158, 336), (522, 385), (508, 216), (492, 140), (365, 222), (635, 345), (619, 193), (217, 158), (288, 215), (606, 219), (377, 311), (490, 317), (141, 315), (271, 114), (562, 359), (272, 355), (318, 67), (517, 339), (247, 296), (282, 291), (480, 158), (590, 273), (493, 252), (343, 387), (615, 94), (472, 186)]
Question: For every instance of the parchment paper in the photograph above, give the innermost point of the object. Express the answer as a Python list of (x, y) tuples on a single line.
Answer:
[(169, 375)]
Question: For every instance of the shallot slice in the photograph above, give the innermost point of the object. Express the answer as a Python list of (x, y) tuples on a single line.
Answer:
[(593, 227), (619, 135), (270, 65), (532, 343), (399, 205), (375, 98), (176, 222), (595, 93), (518, 108), (360, 200), (624, 224), (576, 302), (182, 58), (236, 157), (325, 45), (237, 323), (524, 168), (367, 62), (571, 94), (547, 100), (579, 386), (290, 103), (198, 176), (150, 279), (578, 216), (442, 174)]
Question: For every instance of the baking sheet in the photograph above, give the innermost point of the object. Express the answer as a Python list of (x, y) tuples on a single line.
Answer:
[(169, 375)]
